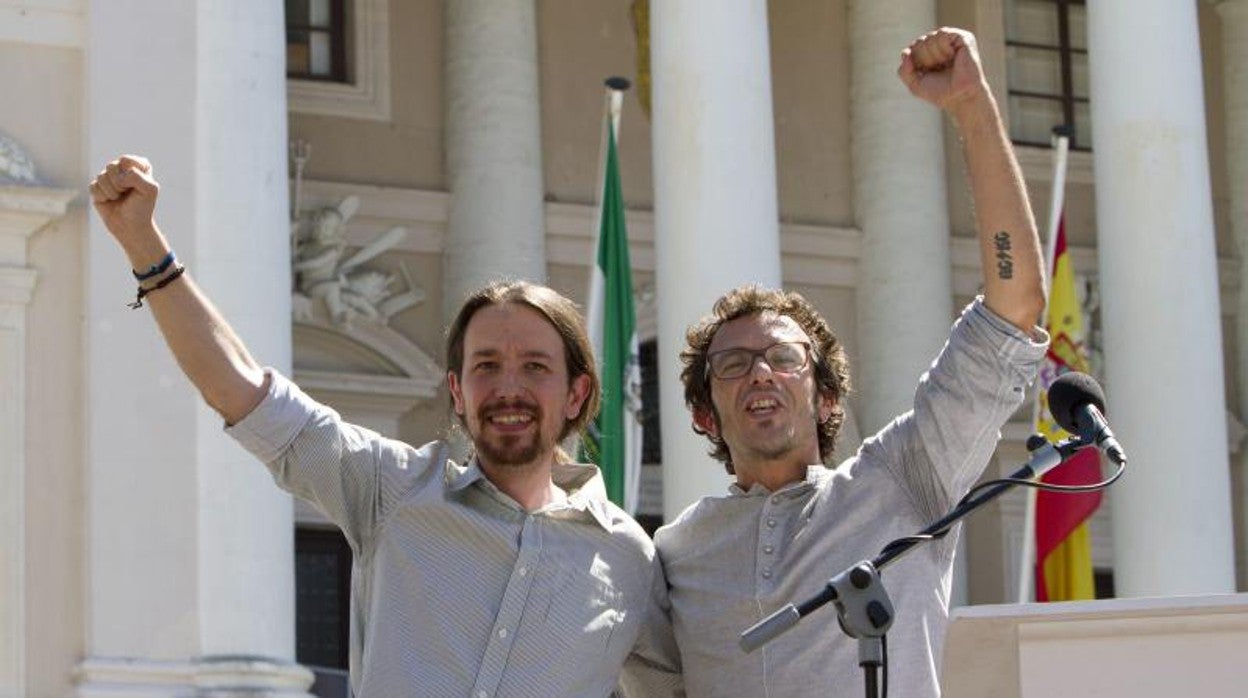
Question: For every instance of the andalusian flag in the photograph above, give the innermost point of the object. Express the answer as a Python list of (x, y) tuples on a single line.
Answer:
[(1063, 542), (614, 438)]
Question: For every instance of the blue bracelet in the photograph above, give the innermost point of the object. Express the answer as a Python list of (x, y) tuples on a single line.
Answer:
[(156, 269)]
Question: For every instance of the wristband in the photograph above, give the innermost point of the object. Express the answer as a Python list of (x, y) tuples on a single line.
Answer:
[(158, 268), (173, 275)]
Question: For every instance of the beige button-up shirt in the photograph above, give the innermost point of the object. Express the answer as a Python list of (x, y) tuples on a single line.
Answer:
[(458, 591)]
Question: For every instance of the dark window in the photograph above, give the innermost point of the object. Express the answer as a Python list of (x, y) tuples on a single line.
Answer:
[(316, 40), (1047, 57), (1103, 582), (651, 439), (322, 598)]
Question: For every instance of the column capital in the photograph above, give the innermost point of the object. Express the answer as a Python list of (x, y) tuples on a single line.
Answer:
[(24, 210)]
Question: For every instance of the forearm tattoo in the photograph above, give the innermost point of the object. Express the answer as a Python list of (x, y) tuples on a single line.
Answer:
[(1005, 260)]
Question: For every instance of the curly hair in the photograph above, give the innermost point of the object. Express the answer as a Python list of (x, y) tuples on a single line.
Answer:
[(827, 355), (560, 312)]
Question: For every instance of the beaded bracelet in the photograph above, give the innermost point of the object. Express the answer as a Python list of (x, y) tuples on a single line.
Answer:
[(156, 269), (138, 298)]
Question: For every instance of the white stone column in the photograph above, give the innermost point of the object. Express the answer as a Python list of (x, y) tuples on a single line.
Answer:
[(496, 226), (715, 196), (1159, 284), (190, 585), (905, 284), (905, 274), (1234, 15), (23, 212)]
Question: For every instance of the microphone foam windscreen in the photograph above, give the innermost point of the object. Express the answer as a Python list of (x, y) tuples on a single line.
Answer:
[(1068, 393)]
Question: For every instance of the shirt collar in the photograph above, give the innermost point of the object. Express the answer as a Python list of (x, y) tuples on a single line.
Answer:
[(458, 477), (813, 474), (587, 493), (586, 490)]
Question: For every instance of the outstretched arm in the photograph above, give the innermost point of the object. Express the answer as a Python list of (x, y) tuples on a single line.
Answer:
[(211, 355), (943, 68)]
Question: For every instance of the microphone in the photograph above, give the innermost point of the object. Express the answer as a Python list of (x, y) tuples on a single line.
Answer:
[(1078, 404)]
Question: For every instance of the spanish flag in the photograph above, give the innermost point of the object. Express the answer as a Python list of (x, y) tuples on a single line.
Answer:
[(1063, 541)]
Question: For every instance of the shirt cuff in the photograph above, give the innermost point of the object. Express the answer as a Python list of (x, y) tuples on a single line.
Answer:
[(268, 430), (1037, 337)]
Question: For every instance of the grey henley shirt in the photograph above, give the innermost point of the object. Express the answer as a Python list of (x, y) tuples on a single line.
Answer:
[(731, 561)]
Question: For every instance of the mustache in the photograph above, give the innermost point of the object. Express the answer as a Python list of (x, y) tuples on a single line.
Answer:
[(486, 411)]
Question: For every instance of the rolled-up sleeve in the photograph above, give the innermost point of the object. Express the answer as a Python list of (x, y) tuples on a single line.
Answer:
[(977, 381), (316, 456)]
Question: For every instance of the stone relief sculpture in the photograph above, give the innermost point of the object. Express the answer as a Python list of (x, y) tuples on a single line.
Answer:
[(16, 167), (325, 273), (345, 353)]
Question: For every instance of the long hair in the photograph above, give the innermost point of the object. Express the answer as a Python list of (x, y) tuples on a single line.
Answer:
[(560, 312), (827, 356)]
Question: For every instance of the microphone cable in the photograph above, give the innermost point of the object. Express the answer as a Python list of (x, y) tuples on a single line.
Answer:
[(907, 541), (1035, 484)]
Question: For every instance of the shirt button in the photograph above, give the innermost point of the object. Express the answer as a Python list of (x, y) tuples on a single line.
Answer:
[(768, 549), (767, 573), (771, 523), (502, 633), (524, 571), (482, 694), (776, 499)]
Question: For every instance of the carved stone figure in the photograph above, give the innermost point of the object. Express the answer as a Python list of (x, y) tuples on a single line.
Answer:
[(16, 167), (325, 273)]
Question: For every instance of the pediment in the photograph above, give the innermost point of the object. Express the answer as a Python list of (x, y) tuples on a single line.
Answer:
[(365, 366)]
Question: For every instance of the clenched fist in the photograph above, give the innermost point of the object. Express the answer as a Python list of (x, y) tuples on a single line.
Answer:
[(942, 67), (124, 194)]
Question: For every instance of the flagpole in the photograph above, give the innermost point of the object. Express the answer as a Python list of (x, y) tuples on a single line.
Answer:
[(1061, 149), (300, 151), (615, 89)]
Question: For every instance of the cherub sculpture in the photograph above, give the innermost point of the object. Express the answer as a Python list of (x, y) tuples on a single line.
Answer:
[(16, 167), (347, 290)]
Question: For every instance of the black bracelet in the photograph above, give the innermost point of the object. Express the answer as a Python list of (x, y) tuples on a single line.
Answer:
[(138, 298), (158, 268)]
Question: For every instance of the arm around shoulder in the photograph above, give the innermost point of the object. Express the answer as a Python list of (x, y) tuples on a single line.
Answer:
[(653, 668)]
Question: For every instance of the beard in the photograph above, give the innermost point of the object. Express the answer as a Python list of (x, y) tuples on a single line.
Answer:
[(509, 450)]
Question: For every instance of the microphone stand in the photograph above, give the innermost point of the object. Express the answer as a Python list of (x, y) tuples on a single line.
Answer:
[(863, 607)]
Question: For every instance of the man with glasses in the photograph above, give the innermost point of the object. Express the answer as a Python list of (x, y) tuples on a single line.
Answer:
[(766, 380)]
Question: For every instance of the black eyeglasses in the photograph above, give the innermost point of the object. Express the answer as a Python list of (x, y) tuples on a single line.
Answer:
[(784, 357)]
